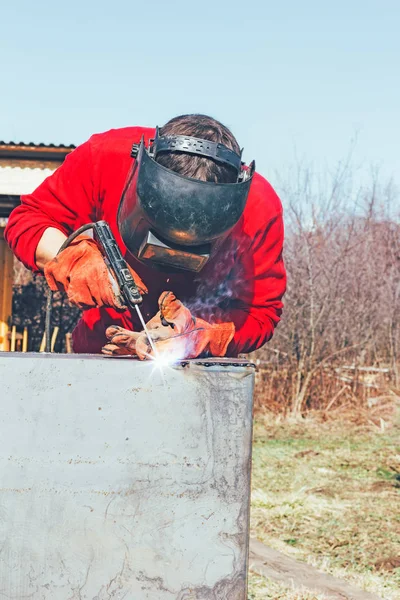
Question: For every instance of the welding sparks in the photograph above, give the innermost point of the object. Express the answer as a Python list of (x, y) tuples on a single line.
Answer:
[(160, 360), (163, 360), (160, 363)]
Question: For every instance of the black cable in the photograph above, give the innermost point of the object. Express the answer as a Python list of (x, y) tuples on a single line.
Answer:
[(49, 303)]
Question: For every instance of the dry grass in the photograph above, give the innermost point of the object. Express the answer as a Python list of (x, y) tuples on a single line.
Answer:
[(328, 493), (261, 588)]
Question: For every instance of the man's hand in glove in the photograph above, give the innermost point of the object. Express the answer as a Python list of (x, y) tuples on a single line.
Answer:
[(175, 333), (81, 272)]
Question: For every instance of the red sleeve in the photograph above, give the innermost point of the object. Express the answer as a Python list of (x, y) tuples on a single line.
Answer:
[(258, 306), (89, 336), (63, 201)]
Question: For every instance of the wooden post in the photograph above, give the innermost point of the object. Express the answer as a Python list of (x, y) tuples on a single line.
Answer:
[(6, 282), (25, 340), (54, 338), (43, 343), (68, 342), (13, 338)]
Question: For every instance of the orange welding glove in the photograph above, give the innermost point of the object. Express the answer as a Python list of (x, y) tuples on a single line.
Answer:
[(81, 272), (174, 333)]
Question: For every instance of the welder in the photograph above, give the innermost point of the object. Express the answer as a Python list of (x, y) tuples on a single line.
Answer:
[(201, 231)]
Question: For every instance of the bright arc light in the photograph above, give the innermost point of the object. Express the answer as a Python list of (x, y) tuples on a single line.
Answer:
[(162, 360), (165, 359)]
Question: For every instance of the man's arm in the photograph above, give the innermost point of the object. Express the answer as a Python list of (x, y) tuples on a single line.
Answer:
[(48, 246), (257, 309), (38, 226)]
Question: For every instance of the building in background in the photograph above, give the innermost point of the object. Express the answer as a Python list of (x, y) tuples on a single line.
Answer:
[(22, 168)]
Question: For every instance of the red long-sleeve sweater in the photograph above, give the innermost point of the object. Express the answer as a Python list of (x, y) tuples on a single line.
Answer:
[(244, 283)]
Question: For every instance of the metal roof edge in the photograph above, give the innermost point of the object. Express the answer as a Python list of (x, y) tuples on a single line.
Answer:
[(34, 151), (34, 145)]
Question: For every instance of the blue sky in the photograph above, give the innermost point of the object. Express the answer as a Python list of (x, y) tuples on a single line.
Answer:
[(289, 78)]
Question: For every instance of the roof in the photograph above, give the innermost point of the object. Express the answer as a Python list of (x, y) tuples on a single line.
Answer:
[(34, 151), (23, 167), (33, 144)]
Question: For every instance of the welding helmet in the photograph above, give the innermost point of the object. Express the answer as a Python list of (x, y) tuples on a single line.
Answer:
[(173, 221)]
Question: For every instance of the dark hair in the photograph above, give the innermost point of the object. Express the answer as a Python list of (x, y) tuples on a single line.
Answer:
[(198, 167)]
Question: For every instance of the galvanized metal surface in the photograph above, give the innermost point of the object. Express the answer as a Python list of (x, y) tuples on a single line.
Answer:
[(117, 482)]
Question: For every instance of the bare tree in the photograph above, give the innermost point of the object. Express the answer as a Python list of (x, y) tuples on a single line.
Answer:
[(342, 304)]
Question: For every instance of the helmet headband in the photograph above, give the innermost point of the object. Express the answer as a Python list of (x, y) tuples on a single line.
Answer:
[(196, 146)]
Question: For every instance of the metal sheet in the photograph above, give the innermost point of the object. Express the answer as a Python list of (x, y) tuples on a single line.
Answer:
[(120, 481)]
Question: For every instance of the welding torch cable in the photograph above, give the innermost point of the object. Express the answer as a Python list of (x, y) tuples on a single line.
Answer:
[(49, 303)]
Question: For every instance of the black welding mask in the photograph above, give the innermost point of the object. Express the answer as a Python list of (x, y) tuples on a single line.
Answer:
[(178, 222)]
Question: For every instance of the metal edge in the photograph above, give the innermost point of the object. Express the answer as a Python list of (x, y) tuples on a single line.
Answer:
[(202, 362)]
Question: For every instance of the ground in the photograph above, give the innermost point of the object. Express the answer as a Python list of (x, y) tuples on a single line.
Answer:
[(328, 493), (261, 588)]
